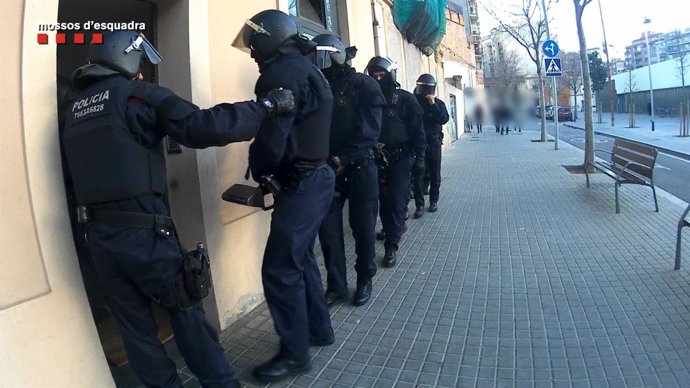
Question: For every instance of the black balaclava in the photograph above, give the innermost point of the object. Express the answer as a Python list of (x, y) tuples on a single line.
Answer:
[(387, 84), (335, 72)]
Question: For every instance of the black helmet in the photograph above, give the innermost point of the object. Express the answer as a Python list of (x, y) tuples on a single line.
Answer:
[(329, 51), (122, 51), (382, 63), (265, 33), (426, 84)]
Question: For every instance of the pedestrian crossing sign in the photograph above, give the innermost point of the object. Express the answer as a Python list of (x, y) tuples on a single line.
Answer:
[(553, 67)]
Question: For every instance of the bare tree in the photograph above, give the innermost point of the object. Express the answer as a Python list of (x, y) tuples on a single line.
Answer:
[(680, 51), (505, 71), (572, 75), (631, 88), (525, 25), (586, 80)]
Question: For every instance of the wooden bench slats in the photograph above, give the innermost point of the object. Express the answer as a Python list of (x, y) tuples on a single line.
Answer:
[(645, 160), (642, 149), (631, 163)]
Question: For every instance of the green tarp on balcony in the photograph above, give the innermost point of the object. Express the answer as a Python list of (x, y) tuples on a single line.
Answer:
[(422, 22)]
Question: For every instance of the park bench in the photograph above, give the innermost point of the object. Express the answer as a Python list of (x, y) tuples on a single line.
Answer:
[(631, 163), (681, 224)]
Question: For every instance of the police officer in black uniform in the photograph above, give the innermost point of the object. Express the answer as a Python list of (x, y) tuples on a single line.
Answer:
[(293, 149), (402, 135), (112, 144), (435, 115), (354, 133)]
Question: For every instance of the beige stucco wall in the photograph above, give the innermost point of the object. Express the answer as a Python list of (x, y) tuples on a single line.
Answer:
[(360, 32), (47, 335), (236, 234)]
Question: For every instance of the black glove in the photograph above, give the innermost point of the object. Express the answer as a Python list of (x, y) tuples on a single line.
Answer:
[(336, 164), (278, 102)]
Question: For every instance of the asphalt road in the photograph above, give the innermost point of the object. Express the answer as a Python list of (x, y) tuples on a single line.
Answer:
[(671, 173)]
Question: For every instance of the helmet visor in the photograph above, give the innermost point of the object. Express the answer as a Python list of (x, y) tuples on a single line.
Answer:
[(140, 43), (322, 56), (243, 38), (425, 88)]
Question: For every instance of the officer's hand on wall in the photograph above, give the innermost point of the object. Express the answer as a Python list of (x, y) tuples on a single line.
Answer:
[(283, 101)]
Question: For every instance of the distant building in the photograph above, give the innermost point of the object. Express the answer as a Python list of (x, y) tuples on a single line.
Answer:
[(662, 47), (617, 66)]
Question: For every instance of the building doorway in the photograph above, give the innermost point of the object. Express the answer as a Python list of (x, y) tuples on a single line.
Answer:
[(454, 119), (70, 56)]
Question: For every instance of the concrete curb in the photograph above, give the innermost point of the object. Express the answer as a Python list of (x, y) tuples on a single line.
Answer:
[(677, 153)]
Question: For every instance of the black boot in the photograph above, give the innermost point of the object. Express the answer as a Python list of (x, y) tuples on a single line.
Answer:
[(418, 213), (362, 294), (322, 339), (432, 207), (335, 297), (279, 368), (390, 258), (381, 235)]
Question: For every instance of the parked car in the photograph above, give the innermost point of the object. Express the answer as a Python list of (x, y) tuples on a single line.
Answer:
[(549, 112), (548, 108), (565, 113)]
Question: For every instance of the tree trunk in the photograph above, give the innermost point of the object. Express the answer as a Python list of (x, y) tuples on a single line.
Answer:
[(600, 119), (586, 80), (575, 100), (542, 99)]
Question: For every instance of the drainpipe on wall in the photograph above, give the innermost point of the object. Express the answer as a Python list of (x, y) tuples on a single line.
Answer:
[(375, 26)]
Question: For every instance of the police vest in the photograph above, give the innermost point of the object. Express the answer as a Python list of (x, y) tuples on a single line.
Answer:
[(393, 128), (345, 107), (105, 160), (311, 135), (431, 126)]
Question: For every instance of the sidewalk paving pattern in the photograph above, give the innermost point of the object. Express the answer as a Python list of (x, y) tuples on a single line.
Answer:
[(523, 278)]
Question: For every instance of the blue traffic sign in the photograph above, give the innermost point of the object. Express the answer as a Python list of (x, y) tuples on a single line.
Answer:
[(550, 48), (553, 67)]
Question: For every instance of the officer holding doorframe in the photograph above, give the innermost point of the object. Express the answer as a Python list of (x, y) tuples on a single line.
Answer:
[(112, 146)]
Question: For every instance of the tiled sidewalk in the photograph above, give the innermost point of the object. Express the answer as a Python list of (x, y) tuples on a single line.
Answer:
[(524, 278)]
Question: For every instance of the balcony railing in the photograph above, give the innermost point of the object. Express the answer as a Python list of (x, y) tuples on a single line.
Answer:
[(473, 13)]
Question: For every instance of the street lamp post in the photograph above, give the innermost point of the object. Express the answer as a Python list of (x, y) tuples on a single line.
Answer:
[(649, 67)]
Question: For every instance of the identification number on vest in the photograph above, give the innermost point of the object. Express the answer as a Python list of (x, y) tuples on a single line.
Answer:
[(86, 106)]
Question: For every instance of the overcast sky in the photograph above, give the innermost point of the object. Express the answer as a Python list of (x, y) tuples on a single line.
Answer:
[(622, 19)]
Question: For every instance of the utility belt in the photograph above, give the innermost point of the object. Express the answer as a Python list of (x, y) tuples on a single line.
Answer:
[(300, 170), (163, 225), (193, 283), (362, 159), (396, 151)]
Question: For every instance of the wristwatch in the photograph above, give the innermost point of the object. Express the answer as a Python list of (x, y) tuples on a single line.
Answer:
[(267, 105)]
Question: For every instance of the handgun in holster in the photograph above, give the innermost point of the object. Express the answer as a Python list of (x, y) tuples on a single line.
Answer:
[(261, 196), (380, 156)]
